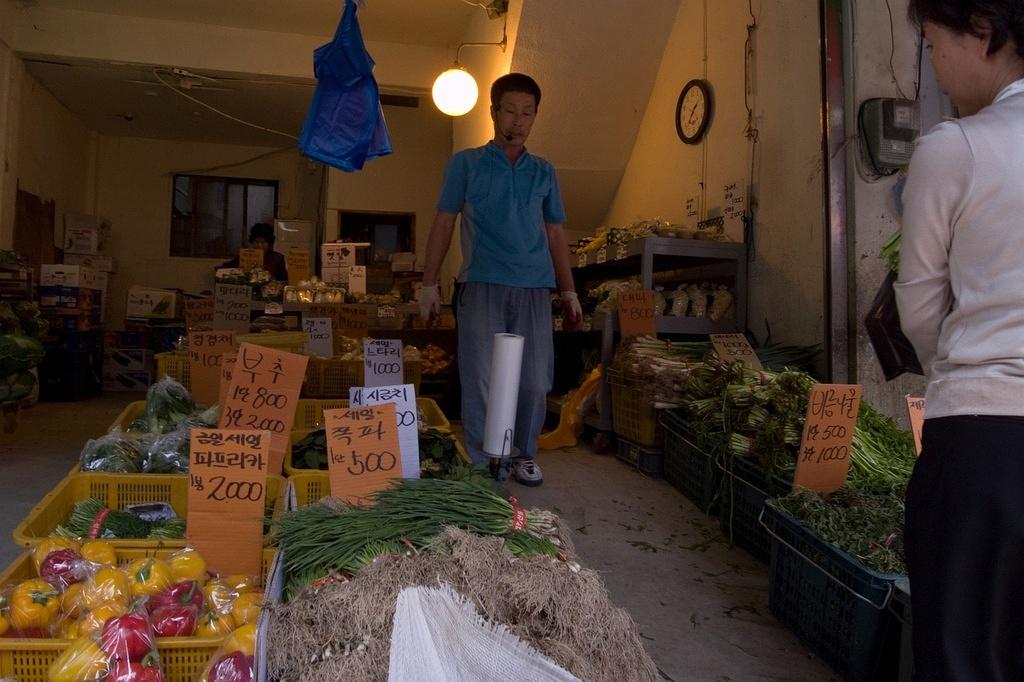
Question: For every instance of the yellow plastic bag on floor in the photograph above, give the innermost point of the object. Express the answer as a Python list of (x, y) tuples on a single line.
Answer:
[(570, 422)]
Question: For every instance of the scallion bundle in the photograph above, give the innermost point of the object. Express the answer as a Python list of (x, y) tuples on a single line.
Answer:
[(92, 519)]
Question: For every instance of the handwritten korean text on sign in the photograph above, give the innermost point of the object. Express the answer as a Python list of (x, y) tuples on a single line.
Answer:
[(205, 353), (406, 418), (636, 313), (731, 347), (354, 320), (382, 362), (823, 461), (362, 451), (250, 259), (231, 307), (199, 313), (319, 336), (227, 366), (263, 395), (915, 406), (227, 495), (297, 262)]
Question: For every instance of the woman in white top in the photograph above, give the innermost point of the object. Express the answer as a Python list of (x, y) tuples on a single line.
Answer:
[(961, 300)]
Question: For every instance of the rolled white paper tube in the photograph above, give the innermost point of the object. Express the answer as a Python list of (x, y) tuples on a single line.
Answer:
[(503, 394)]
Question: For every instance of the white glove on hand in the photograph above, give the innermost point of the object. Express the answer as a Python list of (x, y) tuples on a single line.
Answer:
[(430, 301), (571, 308)]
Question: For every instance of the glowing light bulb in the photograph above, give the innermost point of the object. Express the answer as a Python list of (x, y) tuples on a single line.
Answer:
[(455, 92)]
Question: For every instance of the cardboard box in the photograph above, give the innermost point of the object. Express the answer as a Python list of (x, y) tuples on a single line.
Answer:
[(153, 303), (127, 360), (403, 261), (85, 234), (98, 263), (58, 274), (337, 255), (71, 298), (126, 381), (62, 319), (334, 275)]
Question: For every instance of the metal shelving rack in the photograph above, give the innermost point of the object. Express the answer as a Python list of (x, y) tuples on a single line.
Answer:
[(687, 259)]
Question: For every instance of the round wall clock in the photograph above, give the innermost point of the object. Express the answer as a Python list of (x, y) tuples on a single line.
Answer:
[(693, 111)]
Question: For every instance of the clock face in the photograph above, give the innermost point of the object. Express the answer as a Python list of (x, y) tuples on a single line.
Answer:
[(693, 111)]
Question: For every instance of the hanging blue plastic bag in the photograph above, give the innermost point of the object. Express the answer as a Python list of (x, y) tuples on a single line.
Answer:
[(345, 124)]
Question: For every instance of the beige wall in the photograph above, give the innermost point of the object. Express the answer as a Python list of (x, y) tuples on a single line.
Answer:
[(133, 190), (787, 270), (406, 181)]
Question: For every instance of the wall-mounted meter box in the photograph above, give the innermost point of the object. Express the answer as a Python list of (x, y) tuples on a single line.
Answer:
[(888, 129)]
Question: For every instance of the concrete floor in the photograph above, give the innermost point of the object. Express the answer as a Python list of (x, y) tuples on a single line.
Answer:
[(702, 605)]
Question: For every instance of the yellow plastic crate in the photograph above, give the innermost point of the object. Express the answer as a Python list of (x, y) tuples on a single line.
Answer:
[(181, 658), (291, 342), (331, 378), (309, 414), (118, 491), (175, 366), (633, 415), (310, 486)]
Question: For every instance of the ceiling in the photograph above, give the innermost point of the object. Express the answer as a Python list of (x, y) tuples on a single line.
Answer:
[(436, 23), (129, 99), (115, 98)]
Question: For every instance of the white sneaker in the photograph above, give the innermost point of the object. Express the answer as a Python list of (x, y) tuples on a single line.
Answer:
[(527, 472)]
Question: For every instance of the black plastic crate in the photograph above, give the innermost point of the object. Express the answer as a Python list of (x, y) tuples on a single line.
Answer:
[(691, 462), (744, 489), (647, 460), (835, 605)]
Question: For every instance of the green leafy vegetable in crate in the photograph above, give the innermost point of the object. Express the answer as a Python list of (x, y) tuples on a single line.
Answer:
[(168, 403), (168, 453), (19, 354), (16, 386), (113, 453), (114, 524), (868, 527)]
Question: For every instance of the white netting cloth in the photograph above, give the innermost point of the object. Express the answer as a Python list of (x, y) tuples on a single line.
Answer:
[(438, 635)]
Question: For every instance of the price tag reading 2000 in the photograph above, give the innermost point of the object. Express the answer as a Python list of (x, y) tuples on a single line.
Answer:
[(227, 492), (363, 455), (263, 394), (824, 458)]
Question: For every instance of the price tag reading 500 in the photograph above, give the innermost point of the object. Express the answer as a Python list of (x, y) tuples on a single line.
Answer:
[(823, 462), (363, 453)]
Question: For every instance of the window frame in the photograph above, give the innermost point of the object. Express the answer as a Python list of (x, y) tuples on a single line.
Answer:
[(227, 181), (376, 217)]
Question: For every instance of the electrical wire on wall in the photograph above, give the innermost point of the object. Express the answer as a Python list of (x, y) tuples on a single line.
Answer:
[(750, 131), (706, 141)]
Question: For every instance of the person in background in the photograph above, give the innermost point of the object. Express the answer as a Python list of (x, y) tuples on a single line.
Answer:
[(261, 236), (515, 252), (960, 295)]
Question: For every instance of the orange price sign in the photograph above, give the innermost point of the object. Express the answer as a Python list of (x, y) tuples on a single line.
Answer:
[(731, 347), (363, 454), (297, 262), (915, 406), (205, 353), (199, 313), (227, 366), (227, 492), (823, 461), (263, 395), (636, 313), (354, 321), (249, 259)]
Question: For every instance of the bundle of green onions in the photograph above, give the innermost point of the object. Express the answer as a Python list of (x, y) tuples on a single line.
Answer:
[(328, 539), (113, 524)]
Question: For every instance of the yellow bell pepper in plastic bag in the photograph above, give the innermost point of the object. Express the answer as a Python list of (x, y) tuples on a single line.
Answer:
[(149, 576), (34, 604), (82, 661), (214, 625), (188, 564), (99, 552), (246, 608), (242, 639), (107, 584)]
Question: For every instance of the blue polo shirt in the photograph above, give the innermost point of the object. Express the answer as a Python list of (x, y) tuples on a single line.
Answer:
[(504, 209)]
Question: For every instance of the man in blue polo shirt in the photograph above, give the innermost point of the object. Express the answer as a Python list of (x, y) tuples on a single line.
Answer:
[(514, 253)]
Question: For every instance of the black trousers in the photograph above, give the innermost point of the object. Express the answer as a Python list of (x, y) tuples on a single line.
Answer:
[(965, 550)]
